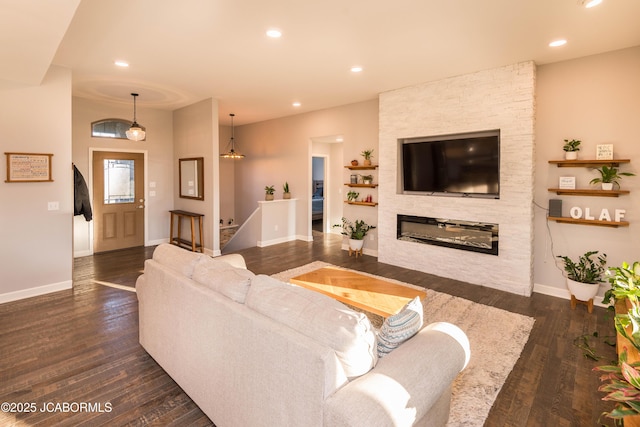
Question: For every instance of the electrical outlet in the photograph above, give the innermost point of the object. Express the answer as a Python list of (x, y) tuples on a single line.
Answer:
[(53, 206)]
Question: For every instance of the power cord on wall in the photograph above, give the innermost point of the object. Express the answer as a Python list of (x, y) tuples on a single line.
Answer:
[(555, 262)]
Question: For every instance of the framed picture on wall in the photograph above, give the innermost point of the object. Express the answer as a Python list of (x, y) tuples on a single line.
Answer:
[(28, 167), (604, 152)]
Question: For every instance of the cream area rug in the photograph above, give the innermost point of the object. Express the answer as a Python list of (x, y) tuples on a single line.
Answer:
[(497, 338)]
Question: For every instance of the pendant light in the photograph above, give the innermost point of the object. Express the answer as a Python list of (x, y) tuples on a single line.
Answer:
[(232, 154), (135, 132)]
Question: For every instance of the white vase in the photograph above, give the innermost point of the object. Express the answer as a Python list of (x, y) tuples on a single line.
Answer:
[(570, 155), (582, 291), (607, 186), (356, 245)]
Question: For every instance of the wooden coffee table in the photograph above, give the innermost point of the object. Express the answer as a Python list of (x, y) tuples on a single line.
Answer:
[(368, 293)]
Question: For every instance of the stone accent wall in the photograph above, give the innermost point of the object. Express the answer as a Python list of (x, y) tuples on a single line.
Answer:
[(502, 98)]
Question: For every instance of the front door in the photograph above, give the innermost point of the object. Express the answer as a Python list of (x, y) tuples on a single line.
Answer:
[(118, 200)]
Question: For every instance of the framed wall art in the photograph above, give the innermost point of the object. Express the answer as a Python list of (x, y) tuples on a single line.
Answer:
[(28, 167)]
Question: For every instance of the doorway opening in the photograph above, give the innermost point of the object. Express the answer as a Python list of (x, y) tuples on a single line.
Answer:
[(318, 204)]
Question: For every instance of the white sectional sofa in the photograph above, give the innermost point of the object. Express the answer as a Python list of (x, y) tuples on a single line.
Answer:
[(252, 351)]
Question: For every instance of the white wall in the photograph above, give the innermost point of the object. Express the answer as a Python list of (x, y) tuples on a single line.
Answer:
[(227, 179), (195, 134), (280, 150), (36, 244), (597, 100), (159, 149), (501, 98)]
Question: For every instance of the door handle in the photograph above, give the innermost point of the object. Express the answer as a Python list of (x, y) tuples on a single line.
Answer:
[(141, 207)]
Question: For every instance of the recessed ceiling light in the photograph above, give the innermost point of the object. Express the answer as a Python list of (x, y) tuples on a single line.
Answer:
[(122, 63), (557, 43), (356, 69), (296, 104), (591, 3), (274, 33)]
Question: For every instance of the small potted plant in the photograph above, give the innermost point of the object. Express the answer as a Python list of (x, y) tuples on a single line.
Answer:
[(354, 162), (268, 192), (609, 175), (352, 196), (285, 191), (367, 154), (355, 232), (367, 179), (584, 276), (571, 148), (622, 384)]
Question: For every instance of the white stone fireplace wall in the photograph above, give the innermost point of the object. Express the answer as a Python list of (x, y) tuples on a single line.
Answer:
[(502, 98)]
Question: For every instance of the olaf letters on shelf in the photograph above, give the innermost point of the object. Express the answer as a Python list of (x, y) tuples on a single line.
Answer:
[(578, 213)]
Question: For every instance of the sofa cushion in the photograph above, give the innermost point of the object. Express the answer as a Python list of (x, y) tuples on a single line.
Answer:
[(223, 278), (317, 316), (400, 327), (177, 259)]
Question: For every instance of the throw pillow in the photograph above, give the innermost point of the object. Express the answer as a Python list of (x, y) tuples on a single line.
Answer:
[(319, 317), (223, 278), (400, 327), (177, 259)]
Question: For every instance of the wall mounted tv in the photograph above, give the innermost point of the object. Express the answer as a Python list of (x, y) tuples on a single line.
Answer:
[(465, 165)]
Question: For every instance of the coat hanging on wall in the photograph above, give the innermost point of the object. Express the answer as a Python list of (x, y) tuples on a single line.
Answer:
[(82, 203)]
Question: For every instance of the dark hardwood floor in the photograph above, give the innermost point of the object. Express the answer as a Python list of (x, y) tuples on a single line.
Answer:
[(81, 347)]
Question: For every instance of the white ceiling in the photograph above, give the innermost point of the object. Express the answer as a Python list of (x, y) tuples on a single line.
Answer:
[(181, 52)]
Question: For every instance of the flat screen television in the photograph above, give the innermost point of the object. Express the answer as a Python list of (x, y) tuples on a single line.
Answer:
[(455, 165)]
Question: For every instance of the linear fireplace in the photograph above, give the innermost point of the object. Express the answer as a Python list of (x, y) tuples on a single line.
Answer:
[(452, 233)]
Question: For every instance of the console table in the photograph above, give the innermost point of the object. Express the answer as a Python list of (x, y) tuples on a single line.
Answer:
[(177, 216)]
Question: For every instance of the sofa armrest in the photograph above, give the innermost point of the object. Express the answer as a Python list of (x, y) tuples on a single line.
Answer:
[(405, 386), (235, 260)]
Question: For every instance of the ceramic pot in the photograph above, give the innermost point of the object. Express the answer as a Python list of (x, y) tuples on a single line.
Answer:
[(268, 197), (607, 186), (354, 163), (570, 155), (582, 291), (367, 162), (286, 195), (356, 245)]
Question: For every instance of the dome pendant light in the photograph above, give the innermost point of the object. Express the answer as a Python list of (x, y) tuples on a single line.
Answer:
[(135, 132), (232, 154)]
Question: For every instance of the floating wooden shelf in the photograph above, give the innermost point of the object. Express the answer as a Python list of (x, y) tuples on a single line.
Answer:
[(592, 163), (361, 203), (362, 185), (614, 224), (361, 168), (587, 192)]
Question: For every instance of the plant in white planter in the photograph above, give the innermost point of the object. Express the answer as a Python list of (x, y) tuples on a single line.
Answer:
[(571, 148), (609, 176), (584, 275), (268, 192), (355, 232)]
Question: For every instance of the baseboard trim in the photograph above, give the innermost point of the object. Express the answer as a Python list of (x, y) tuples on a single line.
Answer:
[(564, 293), (265, 243), (34, 292), (80, 254)]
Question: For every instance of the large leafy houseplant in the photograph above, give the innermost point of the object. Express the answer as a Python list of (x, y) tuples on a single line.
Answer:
[(355, 231), (586, 269), (625, 285), (622, 385)]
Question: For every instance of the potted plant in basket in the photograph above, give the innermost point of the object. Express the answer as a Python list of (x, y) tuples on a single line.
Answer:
[(609, 176), (355, 232), (584, 276), (268, 192), (571, 148), (285, 191), (367, 154)]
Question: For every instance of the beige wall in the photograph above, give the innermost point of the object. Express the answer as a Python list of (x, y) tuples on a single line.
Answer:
[(195, 134), (158, 148), (280, 150), (36, 249), (597, 100)]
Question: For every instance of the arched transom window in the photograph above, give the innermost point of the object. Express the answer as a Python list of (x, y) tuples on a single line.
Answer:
[(111, 128)]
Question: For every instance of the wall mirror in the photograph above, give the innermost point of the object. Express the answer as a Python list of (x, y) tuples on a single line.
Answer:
[(192, 178)]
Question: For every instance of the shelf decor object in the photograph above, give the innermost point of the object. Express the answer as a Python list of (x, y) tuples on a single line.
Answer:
[(28, 167), (604, 151)]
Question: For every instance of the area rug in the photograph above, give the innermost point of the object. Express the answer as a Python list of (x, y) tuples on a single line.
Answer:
[(497, 338)]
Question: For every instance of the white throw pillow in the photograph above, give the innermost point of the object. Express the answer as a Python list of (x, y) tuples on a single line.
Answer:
[(223, 278), (400, 327), (319, 317)]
